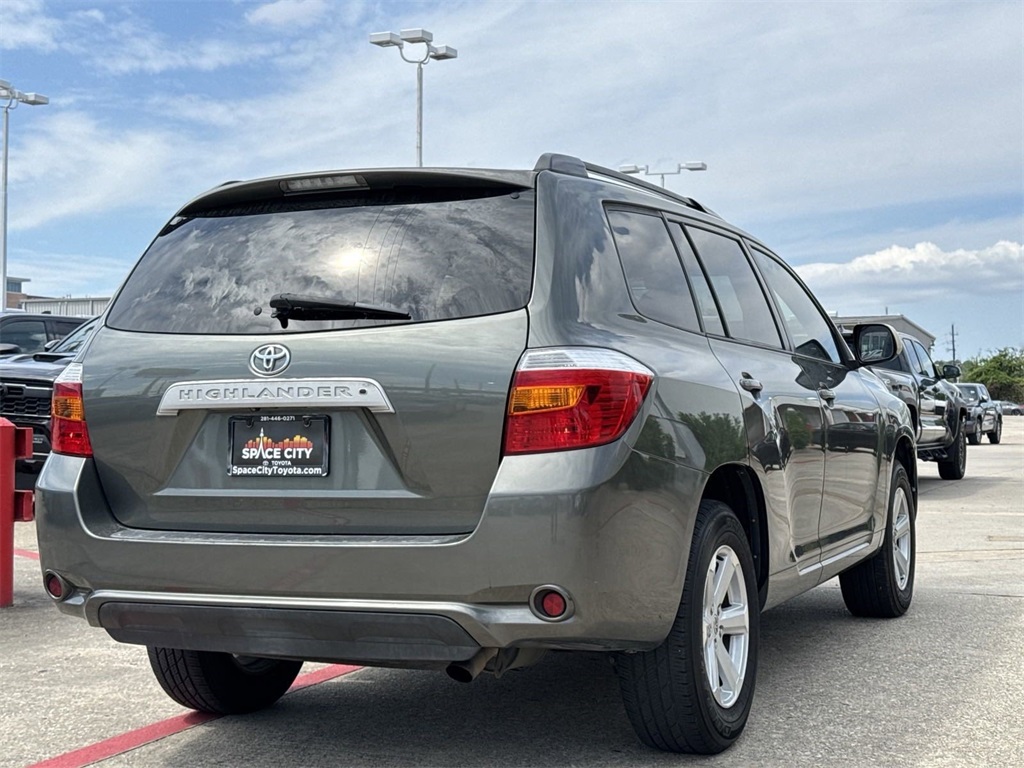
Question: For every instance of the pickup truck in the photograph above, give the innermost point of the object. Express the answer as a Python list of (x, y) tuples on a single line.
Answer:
[(26, 389), (937, 407), (985, 415)]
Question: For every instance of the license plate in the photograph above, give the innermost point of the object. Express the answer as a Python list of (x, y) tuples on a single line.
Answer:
[(278, 446)]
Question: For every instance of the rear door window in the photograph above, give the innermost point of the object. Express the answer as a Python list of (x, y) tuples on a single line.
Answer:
[(76, 338), (709, 315), (64, 327), (743, 303), (654, 275), (896, 364), (435, 254)]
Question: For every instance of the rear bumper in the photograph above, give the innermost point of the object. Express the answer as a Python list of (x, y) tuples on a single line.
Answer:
[(386, 639), (618, 552)]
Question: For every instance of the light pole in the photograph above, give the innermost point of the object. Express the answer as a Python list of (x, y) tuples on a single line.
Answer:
[(438, 53), (13, 97), (646, 170)]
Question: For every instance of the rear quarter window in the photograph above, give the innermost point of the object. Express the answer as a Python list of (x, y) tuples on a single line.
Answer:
[(654, 274), (435, 254)]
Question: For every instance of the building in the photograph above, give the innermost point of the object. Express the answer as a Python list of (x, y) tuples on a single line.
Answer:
[(18, 299), (15, 291), (84, 307), (899, 322)]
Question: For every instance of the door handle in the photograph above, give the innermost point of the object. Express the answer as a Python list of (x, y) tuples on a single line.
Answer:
[(827, 395), (751, 384)]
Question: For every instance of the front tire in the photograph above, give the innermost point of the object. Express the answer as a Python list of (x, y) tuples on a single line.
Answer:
[(996, 434), (955, 467), (221, 683), (883, 585), (975, 437), (693, 692)]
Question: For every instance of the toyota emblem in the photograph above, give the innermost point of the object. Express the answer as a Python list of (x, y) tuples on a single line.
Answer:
[(269, 359)]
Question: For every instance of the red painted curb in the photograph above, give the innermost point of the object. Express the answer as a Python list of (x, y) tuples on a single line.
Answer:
[(125, 742)]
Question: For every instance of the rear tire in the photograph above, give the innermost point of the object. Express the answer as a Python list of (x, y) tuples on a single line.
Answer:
[(955, 467), (996, 434), (220, 683), (673, 701), (883, 585)]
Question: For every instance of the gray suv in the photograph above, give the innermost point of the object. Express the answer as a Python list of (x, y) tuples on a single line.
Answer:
[(456, 418)]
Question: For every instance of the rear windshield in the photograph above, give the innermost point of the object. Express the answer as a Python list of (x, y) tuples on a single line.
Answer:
[(432, 254), (972, 393)]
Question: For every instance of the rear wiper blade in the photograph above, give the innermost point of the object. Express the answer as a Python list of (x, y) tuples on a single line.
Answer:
[(292, 306)]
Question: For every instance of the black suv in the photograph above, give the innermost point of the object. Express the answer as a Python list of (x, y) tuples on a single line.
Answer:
[(938, 408), (451, 419), (26, 389), (25, 333)]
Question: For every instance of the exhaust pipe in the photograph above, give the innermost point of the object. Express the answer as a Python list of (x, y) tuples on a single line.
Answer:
[(468, 671)]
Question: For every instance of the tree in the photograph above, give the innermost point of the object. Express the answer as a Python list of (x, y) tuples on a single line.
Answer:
[(1002, 372)]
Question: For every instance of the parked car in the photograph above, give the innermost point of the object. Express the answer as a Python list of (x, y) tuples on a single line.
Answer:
[(454, 418), (1010, 408), (25, 333), (937, 407), (984, 415), (26, 390)]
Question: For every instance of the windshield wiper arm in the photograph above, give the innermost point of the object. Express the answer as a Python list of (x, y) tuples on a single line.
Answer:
[(293, 306)]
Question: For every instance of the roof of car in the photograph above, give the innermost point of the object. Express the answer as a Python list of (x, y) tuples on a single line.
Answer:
[(271, 187), (21, 314)]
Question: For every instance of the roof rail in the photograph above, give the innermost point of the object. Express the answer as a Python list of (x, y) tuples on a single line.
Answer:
[(649, 187), (573, 166)]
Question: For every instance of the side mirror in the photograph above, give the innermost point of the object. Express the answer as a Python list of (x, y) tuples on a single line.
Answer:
[(875, 343), (9, 349), (951, 371), (50, 344)]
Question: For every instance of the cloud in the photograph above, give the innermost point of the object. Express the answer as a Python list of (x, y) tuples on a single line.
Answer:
[(288, 13), (122, 42), (905, 276), (795, 108), (132, 47), (26, 25), (75, 166)]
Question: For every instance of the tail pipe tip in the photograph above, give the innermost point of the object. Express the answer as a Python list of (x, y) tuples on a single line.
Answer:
[(469, 670)]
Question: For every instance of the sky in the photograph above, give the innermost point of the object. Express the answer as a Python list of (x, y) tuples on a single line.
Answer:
[(878, 147)]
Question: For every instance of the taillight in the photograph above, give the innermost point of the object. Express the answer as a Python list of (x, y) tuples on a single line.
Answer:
[(68, 433), (574, 397)]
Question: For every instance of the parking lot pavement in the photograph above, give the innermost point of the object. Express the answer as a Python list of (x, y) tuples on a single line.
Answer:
[(942, 686)]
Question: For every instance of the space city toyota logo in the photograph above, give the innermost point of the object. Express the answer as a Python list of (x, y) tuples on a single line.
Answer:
[(269, 359)]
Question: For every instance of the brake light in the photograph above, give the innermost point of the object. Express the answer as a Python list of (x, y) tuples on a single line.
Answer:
[(569, 398), (69, 434)]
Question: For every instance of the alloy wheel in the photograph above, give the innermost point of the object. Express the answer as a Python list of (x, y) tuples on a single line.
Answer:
[(725, 626), (901, 538)]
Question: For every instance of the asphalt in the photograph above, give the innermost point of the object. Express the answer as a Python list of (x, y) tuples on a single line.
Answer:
[(942, 686)]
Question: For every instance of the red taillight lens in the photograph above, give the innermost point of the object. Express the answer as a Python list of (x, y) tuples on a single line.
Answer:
[(68, 433), (573, 398)]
